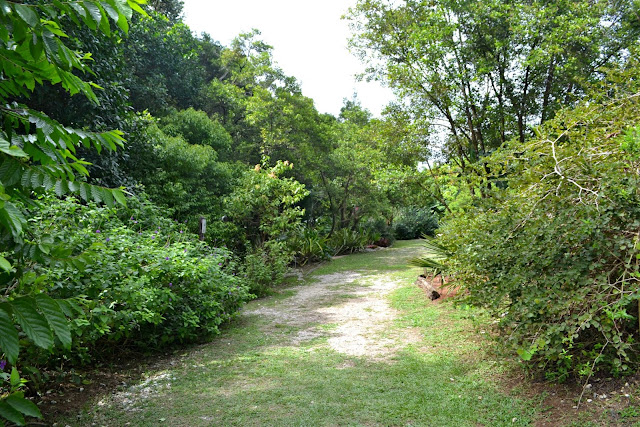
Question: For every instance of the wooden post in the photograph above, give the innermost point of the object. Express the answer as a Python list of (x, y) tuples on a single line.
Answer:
[(202, 228)]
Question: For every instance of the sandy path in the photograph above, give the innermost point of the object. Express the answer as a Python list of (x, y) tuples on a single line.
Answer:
[(350, 308)]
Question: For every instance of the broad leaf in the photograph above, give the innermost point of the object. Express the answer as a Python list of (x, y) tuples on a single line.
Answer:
[(4, 264), (55, 317), (9, 413), (9, 342), (27, 14), (24, 406), (32, 323)]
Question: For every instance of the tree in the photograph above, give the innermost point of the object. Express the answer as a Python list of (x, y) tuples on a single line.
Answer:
[(163, 64), (484, 72), (36, 154)]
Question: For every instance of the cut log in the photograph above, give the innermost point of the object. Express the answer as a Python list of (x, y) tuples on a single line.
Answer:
[(428, 287)]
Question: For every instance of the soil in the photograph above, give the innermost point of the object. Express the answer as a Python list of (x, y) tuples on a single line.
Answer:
[(355, 304)]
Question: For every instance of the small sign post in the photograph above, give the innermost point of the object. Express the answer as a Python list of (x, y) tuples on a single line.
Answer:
[(203, 227)]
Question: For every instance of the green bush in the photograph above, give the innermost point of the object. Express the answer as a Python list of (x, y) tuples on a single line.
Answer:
[(264, 208), (149, 283), (309, 246), (346, 241), (379, 232), (555, 256), (414, 222), (265, 266)]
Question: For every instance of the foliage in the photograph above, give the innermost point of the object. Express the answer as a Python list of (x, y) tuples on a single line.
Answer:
[(186, 178), (413, 222), (309, 246), (37, 153), (197, 129), (265, 266), (168, 287), (554, 255), (378, 231), (163, 64), (435, 257), (486, 71), (263, 206), (346, 241)]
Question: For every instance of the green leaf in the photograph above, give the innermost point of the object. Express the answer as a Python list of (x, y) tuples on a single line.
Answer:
[(11, 150), (85, 190), (107, 196), (9, 413), (20, 404), (9, 341), (27, 14), (65, 307), (111, 11), (119, 196), (32, 323), (96, 193), (526, 355), (55, 318), (133, 5), (94, 11), (12, 218), (15, 377), (4, 264), (61, 188)]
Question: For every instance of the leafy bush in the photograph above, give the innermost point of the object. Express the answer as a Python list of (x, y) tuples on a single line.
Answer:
[(196, 128), (149, 283), (378, 232), (413, 222), (186, 178), (263, 207), (309, 246), (554, 257), (265, 266), (346, 241)]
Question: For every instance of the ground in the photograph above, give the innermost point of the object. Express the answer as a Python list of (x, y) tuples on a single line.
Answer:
[(353, 342)]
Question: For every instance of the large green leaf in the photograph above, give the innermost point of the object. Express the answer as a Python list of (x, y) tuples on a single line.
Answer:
[(27, 14), (12, 150), (20, 404), (9, 343), (9, 413), (4, 264), (32, 323), (12, 219), (55, 318)]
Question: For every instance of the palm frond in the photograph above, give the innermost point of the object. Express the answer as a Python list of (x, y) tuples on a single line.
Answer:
[(435, 257)]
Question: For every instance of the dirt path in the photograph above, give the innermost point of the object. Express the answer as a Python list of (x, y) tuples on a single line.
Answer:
[(356, 306)]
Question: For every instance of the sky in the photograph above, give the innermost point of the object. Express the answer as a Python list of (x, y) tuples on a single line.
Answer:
[(309, 42)]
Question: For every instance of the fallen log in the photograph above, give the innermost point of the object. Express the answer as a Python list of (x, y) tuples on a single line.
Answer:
[(427, 286)]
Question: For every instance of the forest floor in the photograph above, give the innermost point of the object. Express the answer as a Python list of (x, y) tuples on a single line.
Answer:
[(352, 343)]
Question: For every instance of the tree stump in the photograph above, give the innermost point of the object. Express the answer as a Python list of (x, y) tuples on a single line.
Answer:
[(428, 287)]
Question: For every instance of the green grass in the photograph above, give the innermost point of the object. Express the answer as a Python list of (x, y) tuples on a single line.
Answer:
[(248, 378)]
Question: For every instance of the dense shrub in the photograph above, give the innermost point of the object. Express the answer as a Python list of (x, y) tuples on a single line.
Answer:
[(414, 222), (379, 232), (347, 241), (263, 208), (309, 246), (149, 283), (186, 178), (554, 257)]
